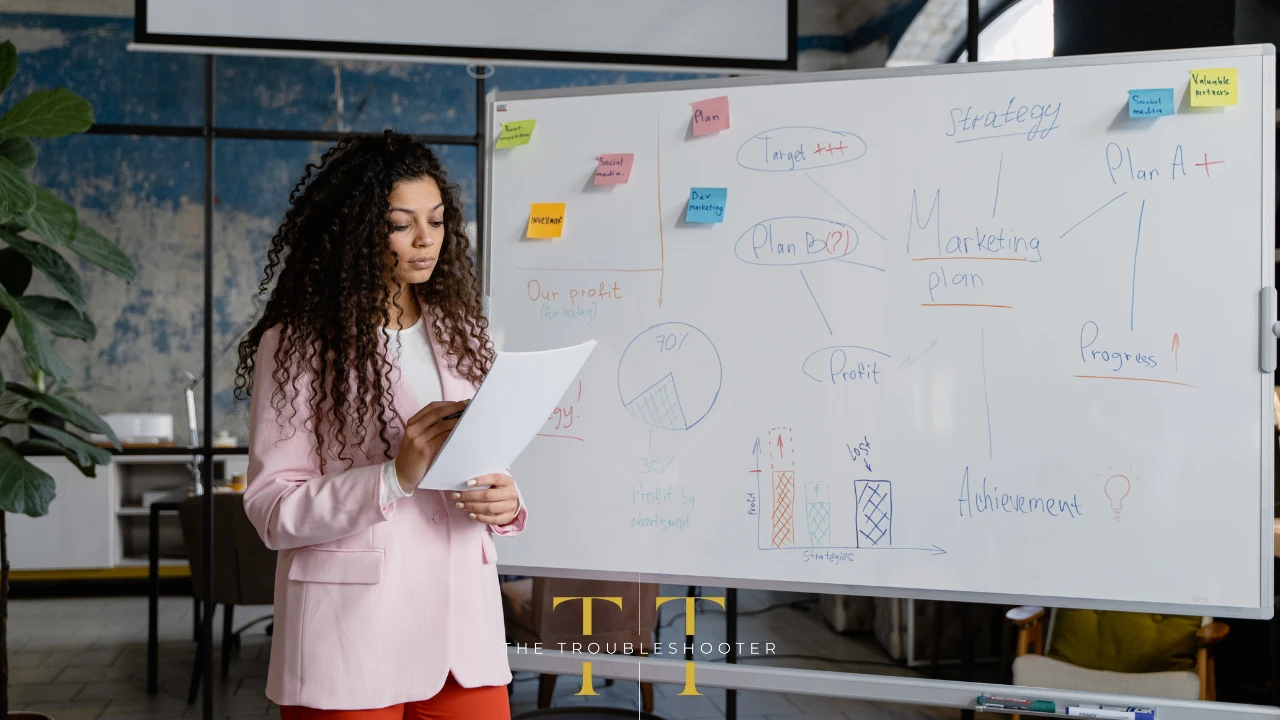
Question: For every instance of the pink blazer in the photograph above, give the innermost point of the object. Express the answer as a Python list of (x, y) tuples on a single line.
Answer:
[(374, 605)]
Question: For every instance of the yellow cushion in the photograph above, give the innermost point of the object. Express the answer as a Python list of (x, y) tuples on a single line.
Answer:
[(1124, 642)]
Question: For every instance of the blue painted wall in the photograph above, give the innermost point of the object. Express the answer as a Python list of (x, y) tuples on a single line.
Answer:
[(146, 192)]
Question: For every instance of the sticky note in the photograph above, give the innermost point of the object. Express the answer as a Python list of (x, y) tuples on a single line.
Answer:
[(1150, 103), (706, 205), (711, 116), (546, 220), (1213, 87), (517, 132), (614, 169)]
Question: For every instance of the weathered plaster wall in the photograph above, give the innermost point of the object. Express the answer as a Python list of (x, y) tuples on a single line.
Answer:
[(146, 192)]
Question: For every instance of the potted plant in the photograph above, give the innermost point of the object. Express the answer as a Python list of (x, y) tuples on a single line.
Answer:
[(37, 231)]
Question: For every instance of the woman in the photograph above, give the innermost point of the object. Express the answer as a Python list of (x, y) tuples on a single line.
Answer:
[(386, 597)]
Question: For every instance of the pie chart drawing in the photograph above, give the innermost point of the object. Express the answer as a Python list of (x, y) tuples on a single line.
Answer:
[(669, 376)]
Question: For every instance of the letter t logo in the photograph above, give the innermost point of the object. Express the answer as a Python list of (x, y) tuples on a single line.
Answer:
[(690, 684), (586, 630)]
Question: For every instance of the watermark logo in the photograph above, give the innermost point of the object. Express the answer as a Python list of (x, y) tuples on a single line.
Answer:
[(690, 673)]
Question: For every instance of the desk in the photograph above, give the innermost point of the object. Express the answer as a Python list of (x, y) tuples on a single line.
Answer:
[(167, 504)]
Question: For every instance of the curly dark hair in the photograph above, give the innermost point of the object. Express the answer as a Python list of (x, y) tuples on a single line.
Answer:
[(329, 261)]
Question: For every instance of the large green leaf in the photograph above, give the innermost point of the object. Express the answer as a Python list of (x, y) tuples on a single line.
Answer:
[(69, 409), (15, 275), (47, 114), (8, 63), (97, 249), (59, 316), (52, 264), (20, 151), (51, 219), (17, 193), (76, 448), (24, 488), (38, 346)]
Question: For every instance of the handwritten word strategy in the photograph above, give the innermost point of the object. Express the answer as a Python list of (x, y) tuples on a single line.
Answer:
[(1037, 121)]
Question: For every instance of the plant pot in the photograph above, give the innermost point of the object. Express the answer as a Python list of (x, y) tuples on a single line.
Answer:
[(44, 417), (29, 715)]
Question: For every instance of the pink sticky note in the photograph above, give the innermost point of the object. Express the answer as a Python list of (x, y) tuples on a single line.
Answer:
[(614, 169), (711, 116)]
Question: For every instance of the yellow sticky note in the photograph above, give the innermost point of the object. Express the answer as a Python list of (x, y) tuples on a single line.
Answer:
[(518, 132), (546, 220), (1213, 87)]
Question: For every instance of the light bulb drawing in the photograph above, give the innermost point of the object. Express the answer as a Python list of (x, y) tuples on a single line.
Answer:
[(1117, 488)]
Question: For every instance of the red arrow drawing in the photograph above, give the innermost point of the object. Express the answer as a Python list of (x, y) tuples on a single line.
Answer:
[(1176, 344)]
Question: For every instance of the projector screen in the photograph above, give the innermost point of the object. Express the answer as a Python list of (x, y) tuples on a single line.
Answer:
[(717, 35)]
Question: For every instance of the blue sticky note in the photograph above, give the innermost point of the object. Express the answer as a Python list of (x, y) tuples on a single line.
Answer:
[(706, 205), (1150, 103)]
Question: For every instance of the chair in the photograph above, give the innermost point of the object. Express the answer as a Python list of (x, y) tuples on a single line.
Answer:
[(244, 569), (1165, 656), (530, 619)]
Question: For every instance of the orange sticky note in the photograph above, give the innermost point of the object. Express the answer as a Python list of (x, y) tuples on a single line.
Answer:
[(711, 116), (546, 220), (614, 169)]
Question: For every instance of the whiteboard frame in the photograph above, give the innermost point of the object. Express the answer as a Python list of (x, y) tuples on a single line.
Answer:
[(1263, 611), (860, 686)]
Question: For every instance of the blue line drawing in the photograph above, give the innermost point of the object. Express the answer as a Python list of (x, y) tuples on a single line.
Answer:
[(986, 398), (850, 262), (999, 172), (817, 513), (804, 367), (992, 137), (795, 240), (913, 361), (1133, 288), (660, 405), (1095, 212), (815, 302), (874, 517), (669, 376), (846, 207), (915, 218), (783, 149)]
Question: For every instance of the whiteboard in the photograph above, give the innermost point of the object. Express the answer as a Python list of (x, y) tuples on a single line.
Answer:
[(963, 333), (750, 34)]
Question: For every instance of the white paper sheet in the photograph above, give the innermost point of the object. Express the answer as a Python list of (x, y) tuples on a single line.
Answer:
[(511, 406)]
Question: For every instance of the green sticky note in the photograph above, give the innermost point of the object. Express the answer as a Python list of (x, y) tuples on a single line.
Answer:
[(519, 132)]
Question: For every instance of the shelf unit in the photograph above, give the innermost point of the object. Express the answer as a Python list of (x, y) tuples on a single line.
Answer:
[(100, 522)]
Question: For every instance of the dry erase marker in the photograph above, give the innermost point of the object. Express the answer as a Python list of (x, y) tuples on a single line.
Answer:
[(1005, 703), (1114, 712)]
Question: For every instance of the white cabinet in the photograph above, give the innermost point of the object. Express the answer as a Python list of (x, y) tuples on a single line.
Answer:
[(79, 531), (103, 522)]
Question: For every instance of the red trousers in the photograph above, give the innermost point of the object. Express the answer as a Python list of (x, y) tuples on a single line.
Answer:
[(453, 702)]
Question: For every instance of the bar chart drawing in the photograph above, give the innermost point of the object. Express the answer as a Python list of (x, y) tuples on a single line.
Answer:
[(817, 513), (874, 516), (783, 516)]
